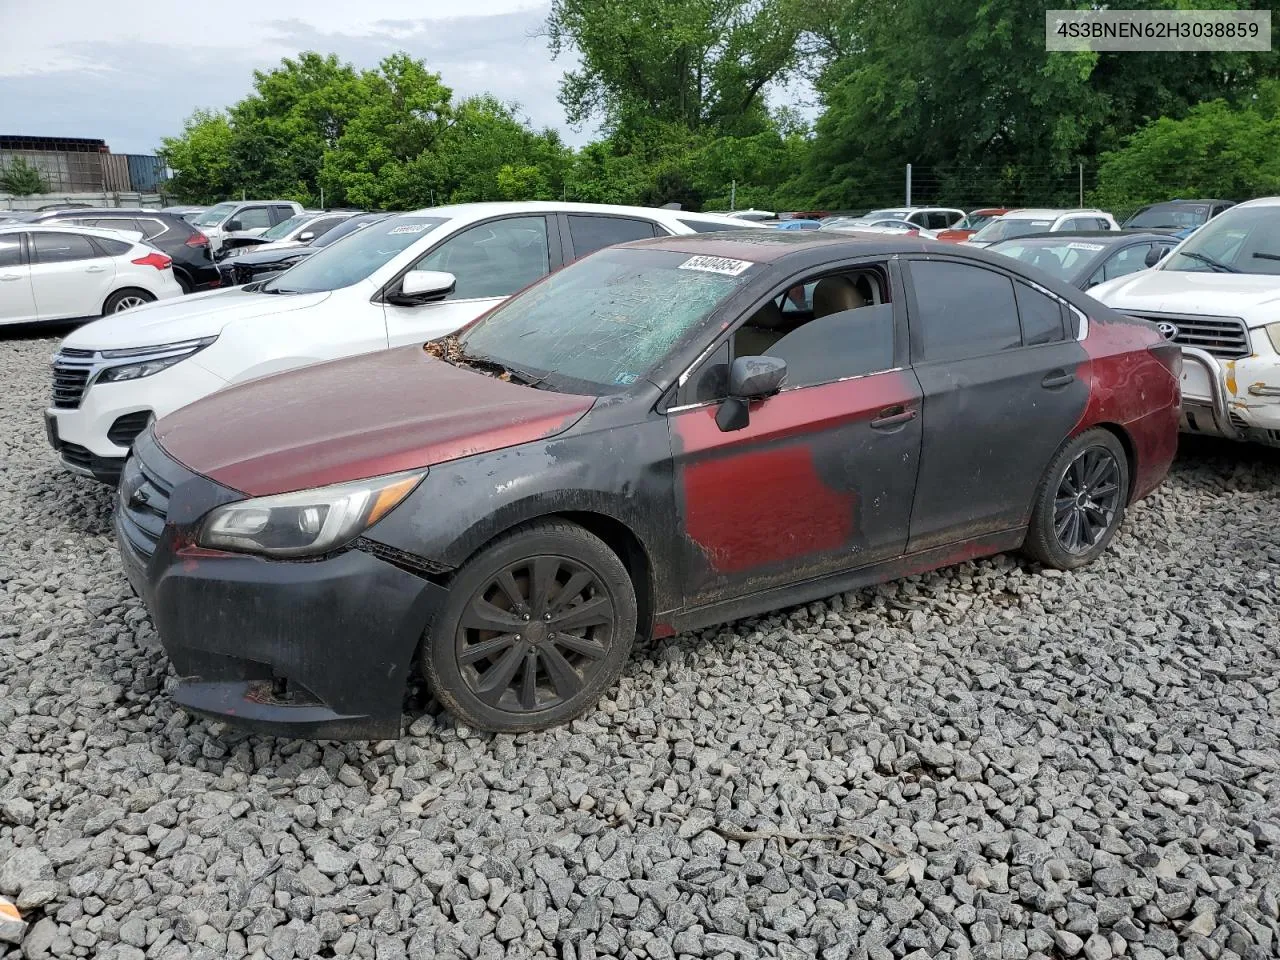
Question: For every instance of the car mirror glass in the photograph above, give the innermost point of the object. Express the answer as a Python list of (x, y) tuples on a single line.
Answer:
[(232, 225)]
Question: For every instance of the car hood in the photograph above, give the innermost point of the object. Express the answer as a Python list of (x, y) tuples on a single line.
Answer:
[(266, 254), (355, 418), (1252, 297), (184, 318)]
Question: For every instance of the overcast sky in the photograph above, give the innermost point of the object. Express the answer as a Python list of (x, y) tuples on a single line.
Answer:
[(130, 75)]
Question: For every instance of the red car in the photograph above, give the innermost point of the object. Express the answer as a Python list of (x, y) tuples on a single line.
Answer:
[(973, 222), (667, 434)]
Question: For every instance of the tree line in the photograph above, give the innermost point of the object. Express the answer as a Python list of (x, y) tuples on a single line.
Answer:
[(688, 97)]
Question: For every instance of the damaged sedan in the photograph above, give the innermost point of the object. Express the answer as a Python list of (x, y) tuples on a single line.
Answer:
[(668, 434)]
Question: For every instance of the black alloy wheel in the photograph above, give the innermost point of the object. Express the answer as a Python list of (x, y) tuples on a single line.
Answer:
[(533, 636), (536, 627), (1087, 499)]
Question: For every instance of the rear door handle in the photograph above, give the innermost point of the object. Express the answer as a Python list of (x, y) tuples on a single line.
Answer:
[(893, 417), (1059, 378), (6, 277), (94, 269)]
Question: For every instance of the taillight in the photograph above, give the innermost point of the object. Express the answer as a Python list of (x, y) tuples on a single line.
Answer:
[(161, 261), (197, 239), (1170, 357)]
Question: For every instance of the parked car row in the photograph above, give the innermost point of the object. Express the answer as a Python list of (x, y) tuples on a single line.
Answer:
[(542, 429)]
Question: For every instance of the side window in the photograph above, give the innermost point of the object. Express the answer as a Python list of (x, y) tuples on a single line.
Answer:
[(962, 311), (151, 228), (493, 259), (10, 250), (847, 330), (939, 220), (113, 248), (1220, 207), (590, 234), (120, 223), (62, 248), (1041, 316), (919, 218), (1102, 224), (281, 213), (321, 227), (710, 381), (254, 218), (1126, 261)]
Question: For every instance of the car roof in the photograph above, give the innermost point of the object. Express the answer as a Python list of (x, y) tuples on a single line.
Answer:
[(1160, 203), (107, 212), (1111, 236), (481, 211), (1044, 213), (50, 227), (1261, 202)]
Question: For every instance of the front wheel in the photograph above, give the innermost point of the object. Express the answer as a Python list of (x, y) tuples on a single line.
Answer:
[(535, 629), (126, 300), (1080, 502)]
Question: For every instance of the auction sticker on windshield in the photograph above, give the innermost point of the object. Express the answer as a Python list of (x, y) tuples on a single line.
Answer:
[(409, 228), (1095, 247), (730, 268)]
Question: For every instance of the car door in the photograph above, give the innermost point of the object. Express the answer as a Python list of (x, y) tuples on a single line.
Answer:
[(490, 261), (70, 275), (821, 478), (253, 221), (1004, 382), (17, 300)]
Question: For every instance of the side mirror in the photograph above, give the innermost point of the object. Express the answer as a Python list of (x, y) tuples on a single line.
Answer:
[(306, 235), (423, 286), (750, 378), (232, 225), (1155, 255)]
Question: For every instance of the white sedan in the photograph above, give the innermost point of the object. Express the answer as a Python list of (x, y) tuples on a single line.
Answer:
[(50, 272), (409, 278)]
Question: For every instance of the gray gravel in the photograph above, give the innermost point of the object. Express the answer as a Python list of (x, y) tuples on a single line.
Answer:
[(985, 762)]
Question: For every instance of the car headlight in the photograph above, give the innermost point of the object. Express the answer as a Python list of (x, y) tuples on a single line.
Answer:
[(307, 522), (1273, 333), (150, 360)]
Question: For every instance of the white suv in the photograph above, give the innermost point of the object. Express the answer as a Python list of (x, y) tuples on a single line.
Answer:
[(242, 218), (927, 218), (1217, 295), (409, 278), (1022, 223)]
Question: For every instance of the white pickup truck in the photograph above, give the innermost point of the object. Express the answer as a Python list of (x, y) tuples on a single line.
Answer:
[(1217, 295)]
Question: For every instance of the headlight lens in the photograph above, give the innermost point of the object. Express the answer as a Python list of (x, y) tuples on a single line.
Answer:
[(307, 522), (1273, 332), (150, 360)]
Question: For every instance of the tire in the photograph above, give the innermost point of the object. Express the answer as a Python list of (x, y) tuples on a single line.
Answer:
[(126, 299), (1080, 503), (511, 678), (183, 282)]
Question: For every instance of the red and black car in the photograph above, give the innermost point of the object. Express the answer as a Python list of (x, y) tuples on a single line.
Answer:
[(664, 435)]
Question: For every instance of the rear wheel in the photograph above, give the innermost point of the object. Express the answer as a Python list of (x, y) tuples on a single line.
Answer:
[(126, 300), (1081, 501), (536, 628)]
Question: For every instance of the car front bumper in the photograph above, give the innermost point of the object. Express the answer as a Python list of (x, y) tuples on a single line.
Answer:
[(1236, 399), (318, 648)]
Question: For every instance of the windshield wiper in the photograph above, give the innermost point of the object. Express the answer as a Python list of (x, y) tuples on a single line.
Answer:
[(1267, 256), (1217, 265)]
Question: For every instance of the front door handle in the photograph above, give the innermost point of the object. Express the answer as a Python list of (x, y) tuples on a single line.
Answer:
[(6, 277), (94, 269), (1059, 378), (893, 417)]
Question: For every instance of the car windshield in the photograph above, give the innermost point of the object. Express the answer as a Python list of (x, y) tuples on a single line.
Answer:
[(1169, 216), (1003, 228), (364, 252), (1239, 240), (286, 227), (606, 321), (214, 215), (974, 221), (1064, 260), (347, 227)]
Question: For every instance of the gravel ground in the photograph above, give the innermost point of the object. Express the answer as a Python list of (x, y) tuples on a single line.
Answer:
[(984, 762)]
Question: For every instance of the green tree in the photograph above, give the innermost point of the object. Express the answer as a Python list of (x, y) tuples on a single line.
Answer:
[(22, 179), (199, 160), (1216, 150)]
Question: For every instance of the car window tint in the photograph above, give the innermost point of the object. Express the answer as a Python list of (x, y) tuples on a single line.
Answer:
[(710, 226), (324, 225), (10, 250), (1126, 261), (254, 218), (493, 259), (590, 234), (1041, 316), (113, 248), (962, 311), (62, 248), (283, 212), (710, 381), (939, 220), (119, 223)]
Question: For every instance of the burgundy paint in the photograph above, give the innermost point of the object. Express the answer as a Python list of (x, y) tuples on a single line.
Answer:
[(731, 508), (1134, 390), (395, 410)]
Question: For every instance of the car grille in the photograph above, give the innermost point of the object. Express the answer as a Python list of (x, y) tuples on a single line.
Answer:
[(235, 274), (1223, 337), (126, 429), (70, 378), (144, 506)]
